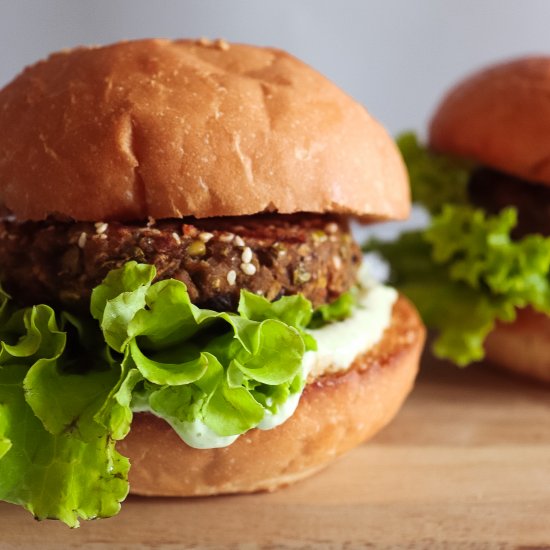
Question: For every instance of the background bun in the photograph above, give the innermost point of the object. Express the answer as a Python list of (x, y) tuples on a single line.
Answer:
[(336, 413), (522, 346), (174, 128), (500, 117)]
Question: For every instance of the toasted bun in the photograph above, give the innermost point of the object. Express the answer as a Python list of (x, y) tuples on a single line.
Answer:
[(522, 346), (175, 128), (335, 413), (500, 117)]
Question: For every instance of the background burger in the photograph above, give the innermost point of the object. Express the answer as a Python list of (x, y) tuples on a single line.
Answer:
[(182, 281), (480, 272)]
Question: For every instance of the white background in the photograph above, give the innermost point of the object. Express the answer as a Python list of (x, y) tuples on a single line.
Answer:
[(395, 56)]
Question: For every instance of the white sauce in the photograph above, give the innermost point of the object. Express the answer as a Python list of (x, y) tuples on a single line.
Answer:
[(286, 410), (338, 345), (198, 435)]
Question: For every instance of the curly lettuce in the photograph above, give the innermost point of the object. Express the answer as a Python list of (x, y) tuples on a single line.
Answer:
[(55, 459), (436, 180), (69, 385), (338, 310), (464, 272)]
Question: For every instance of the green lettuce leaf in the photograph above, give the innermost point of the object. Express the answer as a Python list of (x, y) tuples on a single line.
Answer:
[(5, 443), (117, 300), (338, 310), (296, 311), (102, 372), (465, 272), (55, 476), (225, 361), (54, 459)]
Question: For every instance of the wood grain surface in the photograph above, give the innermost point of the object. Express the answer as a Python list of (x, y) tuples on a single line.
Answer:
[(465, 465)]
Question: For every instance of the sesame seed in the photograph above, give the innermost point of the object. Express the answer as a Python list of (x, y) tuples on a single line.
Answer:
[(331, 227), (226, 237), (103, 236), (231, 277), (337, 262), (304, 250), (203, 41), (82, 240), (301, 275), (205, 236), (248, 269), (239, 241), (101, 227), (246, 256), (176, 237), (222, 44)]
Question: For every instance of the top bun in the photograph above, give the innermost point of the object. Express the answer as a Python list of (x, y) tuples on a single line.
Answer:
[(189, 128), (500, 117)]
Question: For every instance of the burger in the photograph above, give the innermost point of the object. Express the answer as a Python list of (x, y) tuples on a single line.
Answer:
[(181, 290), (480, 272)]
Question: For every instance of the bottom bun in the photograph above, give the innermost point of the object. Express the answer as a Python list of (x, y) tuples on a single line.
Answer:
[(336, 413), (522, 346)]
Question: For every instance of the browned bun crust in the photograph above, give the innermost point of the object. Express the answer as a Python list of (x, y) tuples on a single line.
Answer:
[(499, 117), (335, 414), (522, 346), (175, 128)]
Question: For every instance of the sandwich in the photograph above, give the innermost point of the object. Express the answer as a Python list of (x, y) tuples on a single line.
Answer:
[(183, 310), (479, 273)]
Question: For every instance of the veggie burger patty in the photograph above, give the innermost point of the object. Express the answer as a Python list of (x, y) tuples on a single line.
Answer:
[(493, 190), (271, 255)]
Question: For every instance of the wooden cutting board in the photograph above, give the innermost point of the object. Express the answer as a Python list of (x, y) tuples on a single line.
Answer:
[(465, 465)]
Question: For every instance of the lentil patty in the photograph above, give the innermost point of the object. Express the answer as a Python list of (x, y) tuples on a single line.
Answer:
[(272, 255), (494, 191)]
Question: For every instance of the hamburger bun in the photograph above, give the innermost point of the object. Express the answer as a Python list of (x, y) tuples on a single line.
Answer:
[(168, 129), (523, 346), (111, 155), (499, 117), (336, 413)]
